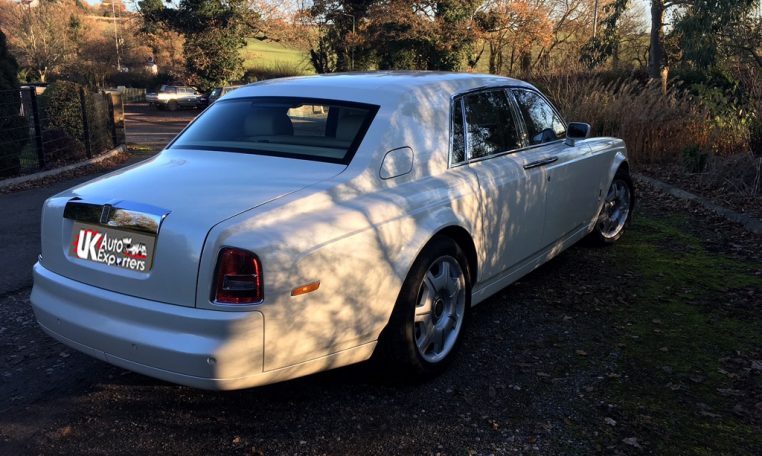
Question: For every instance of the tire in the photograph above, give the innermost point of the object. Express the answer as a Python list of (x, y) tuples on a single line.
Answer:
[(427, 322), (616, 212), (172, 106)]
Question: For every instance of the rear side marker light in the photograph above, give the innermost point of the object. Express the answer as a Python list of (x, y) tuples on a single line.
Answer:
[(237, 278), (304, 289)]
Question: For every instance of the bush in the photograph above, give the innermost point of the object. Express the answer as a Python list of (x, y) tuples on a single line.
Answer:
[(62, 123), (61, 148), (61, 107), (140, 79)]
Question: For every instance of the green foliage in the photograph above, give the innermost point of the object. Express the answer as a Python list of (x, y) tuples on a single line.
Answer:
[(214, 35), (703, 27), (453, 40), (600, 48), (61, 108), (63, 129), (337, 48), (728, 113), (13, 134), (213, 57), (396, 34)]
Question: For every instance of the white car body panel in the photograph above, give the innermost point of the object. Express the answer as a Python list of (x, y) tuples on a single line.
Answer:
[(184, 230), (357, 229)]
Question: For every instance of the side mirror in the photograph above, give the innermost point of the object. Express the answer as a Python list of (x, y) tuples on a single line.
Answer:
[(576, 131)]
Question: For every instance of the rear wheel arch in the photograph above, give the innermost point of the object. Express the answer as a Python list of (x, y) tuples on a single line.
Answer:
[(464, 240), (399, 347)]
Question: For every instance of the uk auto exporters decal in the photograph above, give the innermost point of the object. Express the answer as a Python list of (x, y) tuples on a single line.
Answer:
[(111, 249)]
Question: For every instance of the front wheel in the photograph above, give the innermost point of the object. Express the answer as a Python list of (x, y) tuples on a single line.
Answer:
[(616, 211), (428, 319)]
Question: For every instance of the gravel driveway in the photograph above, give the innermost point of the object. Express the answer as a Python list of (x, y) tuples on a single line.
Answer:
[(593, 353), (152, 127)]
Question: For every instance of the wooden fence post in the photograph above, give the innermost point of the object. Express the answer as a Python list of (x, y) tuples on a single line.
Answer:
[(37, 128), (112, 120)]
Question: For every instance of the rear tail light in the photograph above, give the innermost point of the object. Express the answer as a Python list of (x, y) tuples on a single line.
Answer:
[(238, 278)]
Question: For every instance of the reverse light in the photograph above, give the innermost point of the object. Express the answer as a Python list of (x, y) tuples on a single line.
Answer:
[(237, 278)]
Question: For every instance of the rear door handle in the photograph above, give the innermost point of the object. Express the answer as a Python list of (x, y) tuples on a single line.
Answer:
[(543, 162)]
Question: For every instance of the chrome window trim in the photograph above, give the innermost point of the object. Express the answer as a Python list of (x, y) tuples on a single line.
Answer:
[(520, 124), (519, 120)]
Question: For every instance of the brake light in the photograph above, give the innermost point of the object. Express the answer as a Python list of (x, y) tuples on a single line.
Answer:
[(238, 278)]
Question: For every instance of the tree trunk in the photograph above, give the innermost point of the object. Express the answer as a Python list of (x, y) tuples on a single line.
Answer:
[(492, 58), (656, 55), (526, 64)]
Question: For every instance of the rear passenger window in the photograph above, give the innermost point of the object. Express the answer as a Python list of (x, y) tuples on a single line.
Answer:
[(542, 122), (490, 126)]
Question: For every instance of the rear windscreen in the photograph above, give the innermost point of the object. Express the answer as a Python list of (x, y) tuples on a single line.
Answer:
[(302, 128)]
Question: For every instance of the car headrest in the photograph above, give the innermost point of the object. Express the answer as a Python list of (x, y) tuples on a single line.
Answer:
[(267, 122)]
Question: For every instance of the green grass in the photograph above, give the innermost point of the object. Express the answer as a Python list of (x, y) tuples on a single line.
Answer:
[(677, 341), (264, 54)]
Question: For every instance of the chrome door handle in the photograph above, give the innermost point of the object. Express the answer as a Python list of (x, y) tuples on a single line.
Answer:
[(543, 162)]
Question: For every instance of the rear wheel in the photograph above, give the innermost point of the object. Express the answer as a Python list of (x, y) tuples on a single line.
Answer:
[(616, 211), (172, 106), (428, 319)]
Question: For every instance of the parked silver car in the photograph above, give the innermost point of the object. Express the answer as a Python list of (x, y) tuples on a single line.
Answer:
[(173, 97)]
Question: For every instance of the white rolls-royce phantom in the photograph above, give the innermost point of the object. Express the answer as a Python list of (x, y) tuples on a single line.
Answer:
[(304, 224)]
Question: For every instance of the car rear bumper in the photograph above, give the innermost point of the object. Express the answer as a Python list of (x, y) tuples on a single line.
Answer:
[(195, 347)]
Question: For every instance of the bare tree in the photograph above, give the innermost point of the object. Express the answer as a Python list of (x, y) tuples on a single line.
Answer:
[(38, 35)]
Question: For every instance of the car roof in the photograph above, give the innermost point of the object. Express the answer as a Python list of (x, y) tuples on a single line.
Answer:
[(377, 86)]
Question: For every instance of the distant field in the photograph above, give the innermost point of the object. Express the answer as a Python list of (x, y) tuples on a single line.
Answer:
[(263, 54)]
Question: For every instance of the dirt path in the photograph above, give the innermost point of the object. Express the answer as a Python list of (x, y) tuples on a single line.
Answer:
[(653, 346)]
